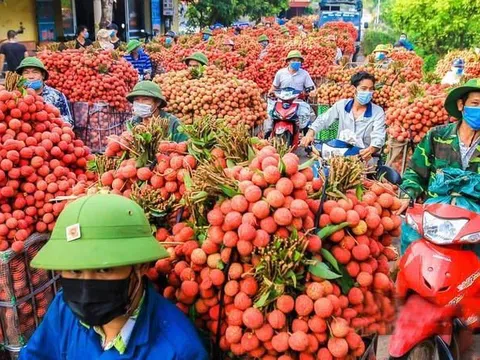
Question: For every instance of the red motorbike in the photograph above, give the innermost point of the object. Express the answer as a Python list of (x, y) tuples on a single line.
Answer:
[(288, 116), (439, 279)]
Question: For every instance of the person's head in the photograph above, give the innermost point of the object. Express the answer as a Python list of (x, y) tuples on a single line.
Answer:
[(403, 37), (284, 31), (34, 72), (458, 66), (195, 60), (170, 37), (263, 41), (228, 45), (113, 30), (381, 52), (134, 47), (103, 35), (147, 99), (102, 245), (11, 35), (295, 60), (463, 103), (206, 34), (82, 31), (364, 84)]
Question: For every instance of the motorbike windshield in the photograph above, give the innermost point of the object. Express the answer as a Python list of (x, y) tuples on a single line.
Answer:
[(287, 94)]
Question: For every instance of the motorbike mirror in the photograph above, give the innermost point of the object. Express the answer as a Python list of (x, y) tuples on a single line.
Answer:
[(389, 174)]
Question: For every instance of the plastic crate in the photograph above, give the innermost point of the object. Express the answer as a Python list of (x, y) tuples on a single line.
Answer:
[(95, 123), (25, 294)]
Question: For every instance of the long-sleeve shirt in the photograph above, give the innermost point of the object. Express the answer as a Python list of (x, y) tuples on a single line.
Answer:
[(369, 128), (441, 148), (142, 64), (161, 331), (57, 99)]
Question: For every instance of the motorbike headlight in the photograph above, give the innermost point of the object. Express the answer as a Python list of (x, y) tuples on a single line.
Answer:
[(441, 231), (471, 238)]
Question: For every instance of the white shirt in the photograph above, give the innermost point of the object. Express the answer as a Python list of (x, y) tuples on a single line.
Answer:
[(451, 78), (369, 128), (299, 80), (338, 55)]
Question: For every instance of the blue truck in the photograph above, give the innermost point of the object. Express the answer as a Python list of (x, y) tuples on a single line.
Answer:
[(342, 10)]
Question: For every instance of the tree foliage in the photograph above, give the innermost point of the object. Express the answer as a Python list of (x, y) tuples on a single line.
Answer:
[(208, 12), (436, 26), (374, 37)]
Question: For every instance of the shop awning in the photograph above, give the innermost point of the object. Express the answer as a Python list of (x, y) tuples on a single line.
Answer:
[(299, 3)]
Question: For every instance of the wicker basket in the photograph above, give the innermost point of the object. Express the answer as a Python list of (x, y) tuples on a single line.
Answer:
[(25, 294), (95, 123)]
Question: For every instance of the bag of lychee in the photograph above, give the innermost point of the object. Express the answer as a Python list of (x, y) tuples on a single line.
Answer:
[(25, 293), (94, 124)]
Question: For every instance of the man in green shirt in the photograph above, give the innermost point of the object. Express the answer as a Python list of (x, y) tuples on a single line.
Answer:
[(148, 101), (455, 145)]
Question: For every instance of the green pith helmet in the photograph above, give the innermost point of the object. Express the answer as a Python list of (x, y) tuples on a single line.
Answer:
[(262, 38), (97, 232), (197, 56), (147, 88), (382, 48), (207, 31), (284, 30), (294, 54), (32, 62), (132, 45), (457, 93)]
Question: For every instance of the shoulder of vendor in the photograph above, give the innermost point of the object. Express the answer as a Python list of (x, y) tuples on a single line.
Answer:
[(173, 129), (161, 331)]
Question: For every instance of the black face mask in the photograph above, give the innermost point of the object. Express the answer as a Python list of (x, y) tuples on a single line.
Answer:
[(96, 302)]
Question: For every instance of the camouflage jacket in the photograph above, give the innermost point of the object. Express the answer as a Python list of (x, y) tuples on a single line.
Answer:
[(439, 149), (175, 134)]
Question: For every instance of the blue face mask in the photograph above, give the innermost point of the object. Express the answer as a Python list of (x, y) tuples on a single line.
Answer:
[(380, 56), (140, 51), (206, 37), (471, 115), (168, 41), (35, 84), (264, 44), (364, 97), (112, 34), (86, 35), (295, 65), (459, 71)]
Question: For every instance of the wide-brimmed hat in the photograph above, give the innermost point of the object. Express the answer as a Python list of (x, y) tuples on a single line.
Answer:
[(197, 56), (147, 88), (458, 93), (132, 45), (382, 48), (32, 62), (295, 54)]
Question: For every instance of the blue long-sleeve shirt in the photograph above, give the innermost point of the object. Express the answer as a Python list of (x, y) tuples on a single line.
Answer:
[(141, 64), (161, 332)]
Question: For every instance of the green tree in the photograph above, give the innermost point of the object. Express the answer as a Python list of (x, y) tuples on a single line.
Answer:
[(436, 26), (208, 12)]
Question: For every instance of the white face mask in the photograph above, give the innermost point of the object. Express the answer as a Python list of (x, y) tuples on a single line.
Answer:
[(142, 110)]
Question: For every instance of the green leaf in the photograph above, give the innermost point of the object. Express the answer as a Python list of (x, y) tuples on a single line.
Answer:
[(346, 282), (92, 165), (251, 154), (321, 270), (281, 166), (142, 160), (228, 191), (306, 164), (291, 274), (330, 229), (359, 191), (230, 163), (187, 180), (297, 256), (327, 255), (263, 300), (220, 265)]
